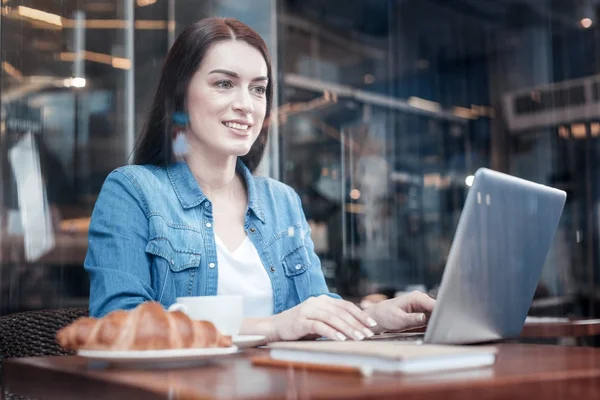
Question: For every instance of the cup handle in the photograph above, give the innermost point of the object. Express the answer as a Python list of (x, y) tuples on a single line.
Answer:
[(177, 307)]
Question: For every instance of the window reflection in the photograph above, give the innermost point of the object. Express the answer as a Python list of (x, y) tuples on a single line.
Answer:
[(383, 115), (419, 106), (78, 76)]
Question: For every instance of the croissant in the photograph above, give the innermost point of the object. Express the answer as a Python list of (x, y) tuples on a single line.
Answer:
[(147, 327)]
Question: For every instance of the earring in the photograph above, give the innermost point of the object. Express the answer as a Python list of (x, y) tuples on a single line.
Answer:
[(180, 121)]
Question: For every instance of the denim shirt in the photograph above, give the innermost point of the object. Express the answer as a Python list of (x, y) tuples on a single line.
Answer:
[(151, 238)]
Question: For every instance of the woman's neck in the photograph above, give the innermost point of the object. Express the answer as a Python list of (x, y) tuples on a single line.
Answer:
[(215, 177)]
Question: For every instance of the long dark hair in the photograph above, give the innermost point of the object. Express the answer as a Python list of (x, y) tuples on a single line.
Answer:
[(185, 56)]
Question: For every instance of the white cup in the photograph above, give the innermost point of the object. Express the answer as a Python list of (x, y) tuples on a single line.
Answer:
[(225, 312)]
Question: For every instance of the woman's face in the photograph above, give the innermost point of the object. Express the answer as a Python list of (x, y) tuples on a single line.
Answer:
[(227, 100)]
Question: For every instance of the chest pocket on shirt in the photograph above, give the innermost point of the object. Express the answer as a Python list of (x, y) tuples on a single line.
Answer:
[(296, 262), (177, 252), (295, 265), (178, 259)]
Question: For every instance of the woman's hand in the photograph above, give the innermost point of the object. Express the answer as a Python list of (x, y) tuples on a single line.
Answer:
[(322, 316), (401, 313)]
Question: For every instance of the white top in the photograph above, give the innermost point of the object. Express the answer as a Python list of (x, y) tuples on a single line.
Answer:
[(241, 272)]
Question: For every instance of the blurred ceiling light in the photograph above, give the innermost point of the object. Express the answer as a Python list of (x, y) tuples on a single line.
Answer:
[(12, 71), (117, 24), (434, 179), (355, 194), (578, 131), (151, 24), (369, 78), (67, 56), (595, 129), (563, 132), (40, 15), (585, 11), (79, 82), (423, 104), (121, 63), (116, 62), (75, 82), (586, 22), (486, 111), (143, 3), (469, 180), (464, 112), (98, 23), (59, 22)]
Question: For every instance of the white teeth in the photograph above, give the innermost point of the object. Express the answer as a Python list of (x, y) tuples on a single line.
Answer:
[(235, 125)]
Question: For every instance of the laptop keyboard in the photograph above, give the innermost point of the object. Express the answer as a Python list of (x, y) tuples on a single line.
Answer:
[(399, 337)]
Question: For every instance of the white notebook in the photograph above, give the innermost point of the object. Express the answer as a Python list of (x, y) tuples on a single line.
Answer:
[(403, 357)]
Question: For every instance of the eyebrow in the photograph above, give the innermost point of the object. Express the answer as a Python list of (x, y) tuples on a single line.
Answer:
[(234, 75)]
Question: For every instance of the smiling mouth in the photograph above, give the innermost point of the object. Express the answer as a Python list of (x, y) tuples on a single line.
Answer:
[(236, 126)]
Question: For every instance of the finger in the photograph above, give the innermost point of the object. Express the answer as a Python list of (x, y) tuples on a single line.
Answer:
[(421, 302), (412, 320), (361, 316), (354, 318), (417, 319), (311, 326), (345, 317), (341, 321)]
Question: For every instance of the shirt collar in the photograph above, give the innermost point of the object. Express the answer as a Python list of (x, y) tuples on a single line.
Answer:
[(190, 195)]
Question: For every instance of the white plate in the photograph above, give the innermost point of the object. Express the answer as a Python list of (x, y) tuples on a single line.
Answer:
[(247, 341), (152, 356)]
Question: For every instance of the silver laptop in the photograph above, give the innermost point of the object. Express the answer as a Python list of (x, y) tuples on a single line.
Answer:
[(499, 249)]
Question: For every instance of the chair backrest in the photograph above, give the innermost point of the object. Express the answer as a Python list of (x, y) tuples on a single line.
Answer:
[(32, 333)]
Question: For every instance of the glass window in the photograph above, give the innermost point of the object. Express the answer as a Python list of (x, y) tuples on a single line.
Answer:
[(385, 109), (77, 80), (389, 107)]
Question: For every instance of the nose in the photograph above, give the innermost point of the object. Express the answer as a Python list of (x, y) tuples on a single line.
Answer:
[(243, 102)]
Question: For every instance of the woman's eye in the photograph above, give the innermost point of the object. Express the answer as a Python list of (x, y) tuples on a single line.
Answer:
[(224, 84), (260, 90)]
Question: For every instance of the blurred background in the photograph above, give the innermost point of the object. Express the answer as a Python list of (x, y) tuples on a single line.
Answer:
[(385, 109)]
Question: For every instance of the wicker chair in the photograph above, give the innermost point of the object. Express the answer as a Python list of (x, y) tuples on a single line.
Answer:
[(32, 333)]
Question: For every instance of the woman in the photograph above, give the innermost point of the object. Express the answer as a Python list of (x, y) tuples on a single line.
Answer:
[(190, 219)]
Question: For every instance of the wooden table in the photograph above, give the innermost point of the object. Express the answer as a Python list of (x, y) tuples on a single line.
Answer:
[(560, 328), (572, 328), (521, 372)]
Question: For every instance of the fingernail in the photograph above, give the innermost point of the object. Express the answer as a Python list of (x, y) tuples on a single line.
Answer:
[(340, 336), (368, 332), (359, 335), (421, 317), (371, 322)]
